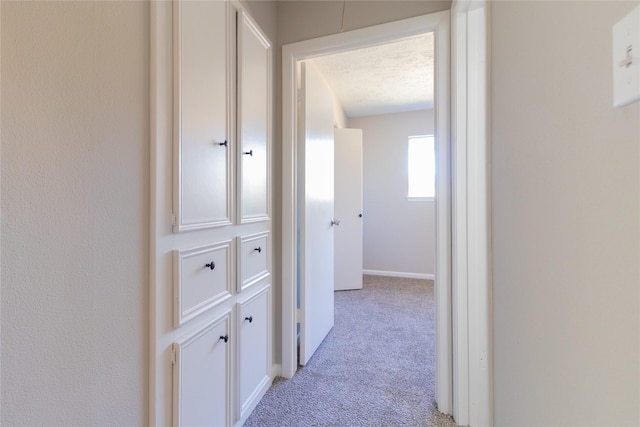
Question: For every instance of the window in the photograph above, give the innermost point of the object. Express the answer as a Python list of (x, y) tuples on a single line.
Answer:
[(422, 167)]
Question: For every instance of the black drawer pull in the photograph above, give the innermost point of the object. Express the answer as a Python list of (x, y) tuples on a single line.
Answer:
[(250, 319), (211, 265), (224, 338), (258, 249), (250, 153), (223, 143)]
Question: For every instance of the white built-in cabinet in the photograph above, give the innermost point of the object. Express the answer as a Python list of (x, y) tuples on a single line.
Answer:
[(218, 334)]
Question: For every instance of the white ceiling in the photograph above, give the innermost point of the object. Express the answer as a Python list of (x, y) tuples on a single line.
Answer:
[(382, 79)]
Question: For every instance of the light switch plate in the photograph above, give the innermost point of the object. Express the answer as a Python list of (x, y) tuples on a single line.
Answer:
[(626, 59)]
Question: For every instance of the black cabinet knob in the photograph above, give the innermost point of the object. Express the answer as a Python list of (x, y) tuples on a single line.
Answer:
[(250, 153), (223, 144), (224, 338), (250, 319), (211, 265), (258, 249), (360, 216)]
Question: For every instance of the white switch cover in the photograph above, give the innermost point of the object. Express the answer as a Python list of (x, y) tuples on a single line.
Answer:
[(626, 59)]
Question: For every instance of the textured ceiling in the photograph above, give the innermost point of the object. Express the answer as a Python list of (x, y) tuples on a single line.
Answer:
[(382, 79)]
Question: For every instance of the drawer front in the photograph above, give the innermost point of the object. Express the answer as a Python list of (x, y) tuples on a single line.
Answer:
[(254, 349), (253, 259), (201, 377), (203, 278)]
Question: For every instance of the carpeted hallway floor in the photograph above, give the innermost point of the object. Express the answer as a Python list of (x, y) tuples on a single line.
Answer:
[(375, 368)]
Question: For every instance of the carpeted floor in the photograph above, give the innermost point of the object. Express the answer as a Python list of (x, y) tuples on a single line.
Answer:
[(375, 368)]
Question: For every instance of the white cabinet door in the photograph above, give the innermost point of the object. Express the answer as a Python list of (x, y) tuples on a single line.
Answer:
[(316, 212), (202, 89), (253, 339), (254, 75), (202, 376), (348, 208)]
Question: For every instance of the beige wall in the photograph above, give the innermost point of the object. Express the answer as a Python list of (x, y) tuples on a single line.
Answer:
[(566, 219), (304, 20), (75, 202), (398, 235)]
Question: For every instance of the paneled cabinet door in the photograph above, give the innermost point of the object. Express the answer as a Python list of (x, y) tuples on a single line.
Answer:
[(254, 349), (203, 87), (202, 376), (254, 105), (203, 277)]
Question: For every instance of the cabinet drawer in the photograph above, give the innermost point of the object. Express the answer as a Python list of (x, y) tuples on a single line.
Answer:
[(202, 278), (253, 259), (201, 376), (254, 354)]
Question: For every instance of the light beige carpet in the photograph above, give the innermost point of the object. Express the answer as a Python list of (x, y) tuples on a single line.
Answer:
[(375, 368)]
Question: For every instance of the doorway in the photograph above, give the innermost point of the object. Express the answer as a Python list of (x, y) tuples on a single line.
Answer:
[(437, 23)]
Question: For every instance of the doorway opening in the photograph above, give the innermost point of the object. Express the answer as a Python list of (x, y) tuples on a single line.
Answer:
[(438, 24)]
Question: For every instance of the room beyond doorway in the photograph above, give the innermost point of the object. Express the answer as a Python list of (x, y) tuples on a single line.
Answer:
[(437, 23)]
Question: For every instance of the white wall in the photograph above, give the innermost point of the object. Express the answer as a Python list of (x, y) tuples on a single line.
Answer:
[(566, 219), (74, 212), (399, 236)]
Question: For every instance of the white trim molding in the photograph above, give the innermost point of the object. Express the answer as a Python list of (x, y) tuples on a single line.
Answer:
[(471, 286), (399, 274), (370, 36)]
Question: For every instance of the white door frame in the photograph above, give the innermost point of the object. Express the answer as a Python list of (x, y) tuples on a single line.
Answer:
[(471, 285), (291, 53)]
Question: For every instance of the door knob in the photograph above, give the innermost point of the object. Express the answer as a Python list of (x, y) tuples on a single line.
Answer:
[(335, 222)]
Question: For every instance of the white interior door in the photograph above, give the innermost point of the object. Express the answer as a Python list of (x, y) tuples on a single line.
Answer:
[(315, 144), (348, 209)]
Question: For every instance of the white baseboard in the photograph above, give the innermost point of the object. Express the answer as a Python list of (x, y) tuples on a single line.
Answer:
[(399, 274)]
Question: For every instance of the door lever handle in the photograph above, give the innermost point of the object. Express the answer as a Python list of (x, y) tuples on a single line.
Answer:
[(335, 222)]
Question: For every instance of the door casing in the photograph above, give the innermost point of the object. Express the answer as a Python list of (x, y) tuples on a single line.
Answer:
[(308, 49)]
